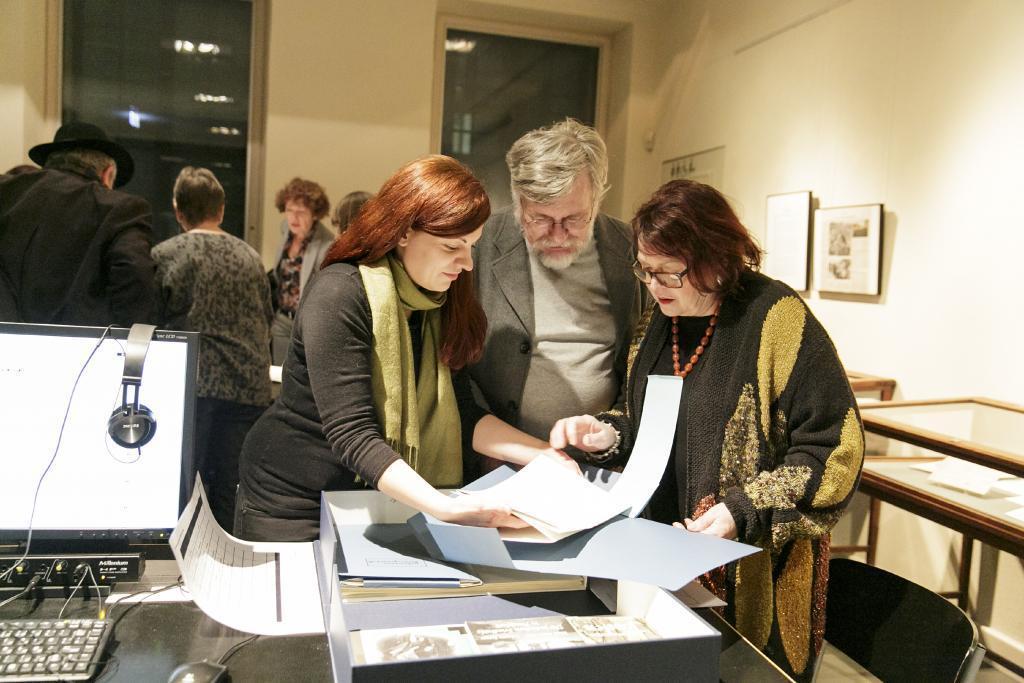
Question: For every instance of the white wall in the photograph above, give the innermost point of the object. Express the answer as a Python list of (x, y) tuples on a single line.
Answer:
[(919, 105), (350, 87), (22, 80)]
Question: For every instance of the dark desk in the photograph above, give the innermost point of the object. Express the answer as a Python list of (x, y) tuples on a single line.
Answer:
[(150, 640)]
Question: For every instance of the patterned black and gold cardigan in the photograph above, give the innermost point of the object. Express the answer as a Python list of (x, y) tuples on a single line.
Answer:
[(772, 429)]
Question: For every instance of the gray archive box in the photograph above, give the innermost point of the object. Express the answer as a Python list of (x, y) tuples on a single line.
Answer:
[(688, 648)]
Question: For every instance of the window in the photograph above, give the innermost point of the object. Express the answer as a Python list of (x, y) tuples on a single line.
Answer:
[(170, 82), (497, 87)]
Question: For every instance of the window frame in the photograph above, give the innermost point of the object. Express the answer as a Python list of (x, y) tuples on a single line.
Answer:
[(255, 164), (500, 28)]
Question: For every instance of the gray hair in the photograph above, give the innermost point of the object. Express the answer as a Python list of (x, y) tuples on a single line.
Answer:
[(198, 195), (89, 162), (545, 162)]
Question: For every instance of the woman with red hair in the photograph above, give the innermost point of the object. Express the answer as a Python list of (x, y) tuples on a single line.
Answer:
[(367, 395)]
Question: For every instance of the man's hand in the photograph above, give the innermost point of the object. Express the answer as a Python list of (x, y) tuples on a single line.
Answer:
[(585, 432), (717, 521)]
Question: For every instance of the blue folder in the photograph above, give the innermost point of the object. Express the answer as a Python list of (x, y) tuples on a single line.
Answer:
[(624, 548), (389, 556)]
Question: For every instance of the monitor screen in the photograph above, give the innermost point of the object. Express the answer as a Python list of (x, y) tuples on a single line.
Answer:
[(96, 495)]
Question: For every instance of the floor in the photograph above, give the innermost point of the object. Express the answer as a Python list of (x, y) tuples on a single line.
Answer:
[(835, 666)]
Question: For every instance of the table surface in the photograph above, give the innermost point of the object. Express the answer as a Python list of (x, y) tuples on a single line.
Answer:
[(150, 639), (910, 474), (901, 482)]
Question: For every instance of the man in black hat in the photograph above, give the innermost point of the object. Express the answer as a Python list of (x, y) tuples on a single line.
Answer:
[(73, 250)]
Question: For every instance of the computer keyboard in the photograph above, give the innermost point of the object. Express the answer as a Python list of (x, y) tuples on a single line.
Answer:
[(51, 649)]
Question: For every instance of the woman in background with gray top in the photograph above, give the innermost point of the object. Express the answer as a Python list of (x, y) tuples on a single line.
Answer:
[(214, 284)]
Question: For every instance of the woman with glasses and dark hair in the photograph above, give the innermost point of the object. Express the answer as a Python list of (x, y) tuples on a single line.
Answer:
[(769, 444), (367, 395)]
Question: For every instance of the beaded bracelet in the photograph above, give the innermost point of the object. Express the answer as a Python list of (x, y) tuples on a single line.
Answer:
[(609, 452)]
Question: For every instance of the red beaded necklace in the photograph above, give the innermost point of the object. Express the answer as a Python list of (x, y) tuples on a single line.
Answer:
[(697, 352)]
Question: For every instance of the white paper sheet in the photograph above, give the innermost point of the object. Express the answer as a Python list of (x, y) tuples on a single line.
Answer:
[(932, 465), (653, 443), (553, 499), (928, 466), (964, 476), (558, 502), (1011, 487), (265, 588), (1016, 514)]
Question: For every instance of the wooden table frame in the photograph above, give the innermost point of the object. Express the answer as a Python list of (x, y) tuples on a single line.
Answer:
[(997, 459), (885, 386), (860, 382)]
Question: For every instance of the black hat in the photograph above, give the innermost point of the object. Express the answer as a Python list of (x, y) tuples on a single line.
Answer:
[(79, 135)]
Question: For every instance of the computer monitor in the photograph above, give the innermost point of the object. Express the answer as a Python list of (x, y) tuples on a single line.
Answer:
[(96, 496)]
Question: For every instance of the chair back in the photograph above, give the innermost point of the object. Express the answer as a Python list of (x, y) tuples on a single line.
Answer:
[(896, 629)]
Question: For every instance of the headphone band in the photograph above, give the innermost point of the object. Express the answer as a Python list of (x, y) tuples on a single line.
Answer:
[(139, 337)]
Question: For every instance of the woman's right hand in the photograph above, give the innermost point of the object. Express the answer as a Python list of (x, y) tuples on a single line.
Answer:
[(471, 511), (585, 432)]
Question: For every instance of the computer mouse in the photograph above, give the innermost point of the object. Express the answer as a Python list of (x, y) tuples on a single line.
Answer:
[(199, 672)]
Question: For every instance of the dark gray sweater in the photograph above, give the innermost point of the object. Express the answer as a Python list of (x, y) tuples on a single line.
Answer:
[(322, 431)]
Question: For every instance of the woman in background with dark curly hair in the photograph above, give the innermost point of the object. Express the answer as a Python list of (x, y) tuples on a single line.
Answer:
[(304, 243), (768, 441)]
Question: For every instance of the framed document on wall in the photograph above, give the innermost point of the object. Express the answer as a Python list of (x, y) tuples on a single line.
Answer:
[(848, 249), (787, 223)]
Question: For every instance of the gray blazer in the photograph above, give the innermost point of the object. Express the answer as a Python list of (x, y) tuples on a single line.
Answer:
[(505, 290), (323, 238)]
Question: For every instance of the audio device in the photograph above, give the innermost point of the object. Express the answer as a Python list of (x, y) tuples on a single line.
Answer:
[(133, 425), (64, 571)]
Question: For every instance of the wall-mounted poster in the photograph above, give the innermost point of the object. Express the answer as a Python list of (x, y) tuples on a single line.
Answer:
[(706, 167), (787, 230), (848, 249)]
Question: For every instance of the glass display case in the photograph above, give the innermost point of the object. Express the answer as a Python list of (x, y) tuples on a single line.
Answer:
[(957, 462)]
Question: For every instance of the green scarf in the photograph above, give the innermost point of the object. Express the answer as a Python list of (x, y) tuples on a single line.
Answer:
[(420, 419)]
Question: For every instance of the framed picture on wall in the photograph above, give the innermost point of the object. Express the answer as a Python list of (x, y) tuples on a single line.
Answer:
[(848, 249), (787, 231)]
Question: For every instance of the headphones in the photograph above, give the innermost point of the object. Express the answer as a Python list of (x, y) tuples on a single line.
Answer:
[(133, 425)]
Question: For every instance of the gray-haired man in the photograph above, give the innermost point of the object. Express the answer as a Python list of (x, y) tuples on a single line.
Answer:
[(554, 277)]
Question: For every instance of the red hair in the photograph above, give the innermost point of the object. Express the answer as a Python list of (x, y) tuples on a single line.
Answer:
[(438, 195), (693, 222)]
